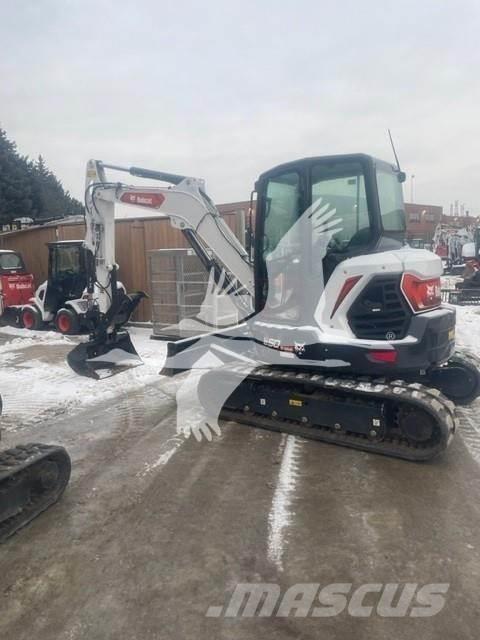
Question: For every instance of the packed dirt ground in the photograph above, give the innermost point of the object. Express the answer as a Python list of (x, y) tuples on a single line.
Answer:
[(154, 529)]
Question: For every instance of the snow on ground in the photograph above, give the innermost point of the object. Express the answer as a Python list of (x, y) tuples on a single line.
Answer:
[(468, 338), (468, 320), (468, 329), (449, 282), (36, 382), (281, 514)]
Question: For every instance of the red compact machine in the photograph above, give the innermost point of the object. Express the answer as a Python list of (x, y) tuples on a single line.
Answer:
[(16, 284)]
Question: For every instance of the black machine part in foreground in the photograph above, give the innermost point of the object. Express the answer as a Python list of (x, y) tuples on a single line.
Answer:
[(32, 478)]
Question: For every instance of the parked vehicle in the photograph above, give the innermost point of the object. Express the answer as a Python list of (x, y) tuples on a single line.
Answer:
[(16, 283), (62, 298), (363, 350)]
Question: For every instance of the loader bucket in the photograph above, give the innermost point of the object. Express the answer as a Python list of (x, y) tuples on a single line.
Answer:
[(104, 358)]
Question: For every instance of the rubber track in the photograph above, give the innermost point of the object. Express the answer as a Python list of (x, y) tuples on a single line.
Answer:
[(398, 392), (20, 461)]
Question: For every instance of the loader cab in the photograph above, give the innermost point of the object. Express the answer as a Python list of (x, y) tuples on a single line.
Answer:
[(67, 273), (11, 263), (314, 213)]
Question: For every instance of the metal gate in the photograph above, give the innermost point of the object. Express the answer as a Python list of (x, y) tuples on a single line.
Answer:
[(181, 304)]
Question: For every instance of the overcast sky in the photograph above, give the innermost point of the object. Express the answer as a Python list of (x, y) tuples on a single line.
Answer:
[(226, 90)]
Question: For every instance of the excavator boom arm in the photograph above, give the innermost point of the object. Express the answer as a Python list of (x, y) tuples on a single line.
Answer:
[(189, 209), (185, 204)]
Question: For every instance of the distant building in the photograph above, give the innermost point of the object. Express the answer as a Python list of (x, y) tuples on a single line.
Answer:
[(422, 220), (461, 221), (22, 223)]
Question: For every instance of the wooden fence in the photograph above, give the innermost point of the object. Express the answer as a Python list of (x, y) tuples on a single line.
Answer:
[(133, 239)]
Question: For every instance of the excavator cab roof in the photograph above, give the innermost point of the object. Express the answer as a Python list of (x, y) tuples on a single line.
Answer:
[(303, 164)]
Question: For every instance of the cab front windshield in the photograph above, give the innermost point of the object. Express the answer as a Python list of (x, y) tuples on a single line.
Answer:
[(10, 262), (66, 261), (337, 192)]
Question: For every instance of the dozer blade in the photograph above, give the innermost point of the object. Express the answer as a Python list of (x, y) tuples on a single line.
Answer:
[(104, 357)]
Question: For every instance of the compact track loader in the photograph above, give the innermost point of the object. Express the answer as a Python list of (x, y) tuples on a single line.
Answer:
[(344, 337)]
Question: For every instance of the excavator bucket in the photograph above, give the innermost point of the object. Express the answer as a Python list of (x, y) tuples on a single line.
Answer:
[(104, 357), (106, 354)]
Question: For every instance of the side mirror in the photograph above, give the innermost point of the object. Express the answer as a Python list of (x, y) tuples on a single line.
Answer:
[(401, 176)]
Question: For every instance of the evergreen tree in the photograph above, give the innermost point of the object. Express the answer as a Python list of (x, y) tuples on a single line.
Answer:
[(29, 189), (15, 186)]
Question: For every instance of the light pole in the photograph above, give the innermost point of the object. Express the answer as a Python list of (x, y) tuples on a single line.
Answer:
[(412, 178)]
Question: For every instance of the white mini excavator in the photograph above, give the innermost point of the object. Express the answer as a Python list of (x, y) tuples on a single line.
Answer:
[(344, 337)]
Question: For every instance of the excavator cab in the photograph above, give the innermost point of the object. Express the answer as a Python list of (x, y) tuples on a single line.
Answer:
[(316, 212)]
